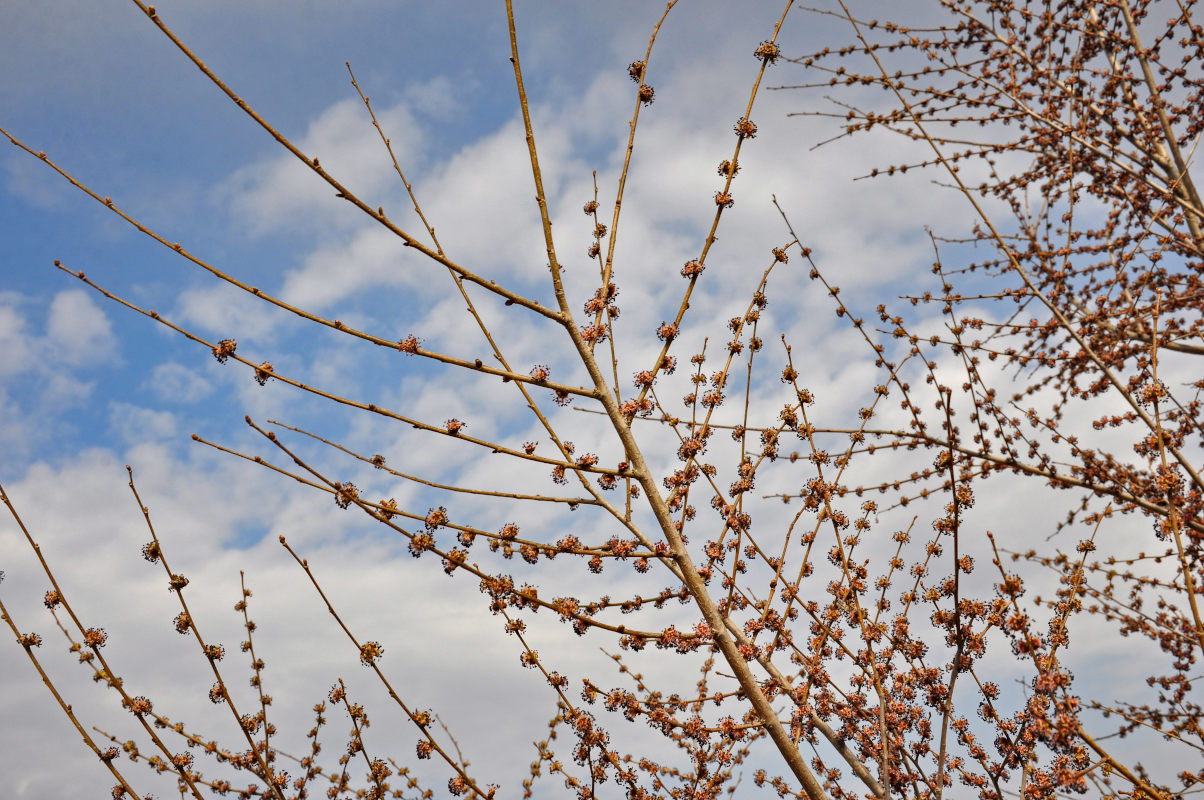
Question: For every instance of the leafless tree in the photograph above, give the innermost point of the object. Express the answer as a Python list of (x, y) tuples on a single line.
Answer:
[(840, 654)]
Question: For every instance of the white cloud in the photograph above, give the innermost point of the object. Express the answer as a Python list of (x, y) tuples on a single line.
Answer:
[(439, 98), (177, 383), (482, 193), (135, 424), (26, 179), (282, 194), (63, 392), (77, 337), (77, 333), (222, 311), (372, 258), (16, 347), (78, 329)]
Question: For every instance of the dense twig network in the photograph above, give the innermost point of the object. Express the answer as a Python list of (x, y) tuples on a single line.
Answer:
[(836, 658)]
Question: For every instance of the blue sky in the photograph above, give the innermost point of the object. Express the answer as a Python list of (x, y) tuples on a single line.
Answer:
[(86, 386)]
